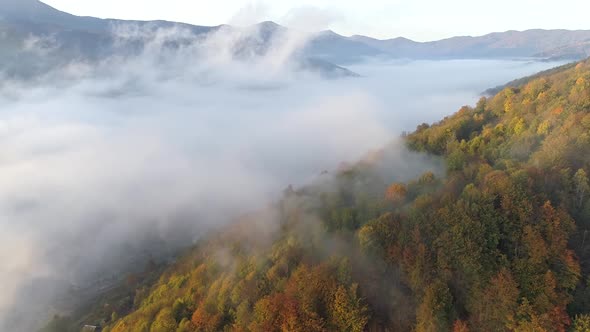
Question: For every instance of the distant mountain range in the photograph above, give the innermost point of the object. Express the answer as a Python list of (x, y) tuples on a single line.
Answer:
[(529, 43), (35, 37), (91, 38)]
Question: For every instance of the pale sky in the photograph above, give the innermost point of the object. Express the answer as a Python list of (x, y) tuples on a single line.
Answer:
[(420, 20)]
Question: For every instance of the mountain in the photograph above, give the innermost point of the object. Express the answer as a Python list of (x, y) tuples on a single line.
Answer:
[(325, 69), (511, 43), (530, 43), (575, 50), (34, 11), (333, 47), (398, 45), (24, 11), (35, 37), (90, 38), (495, 242), (540, 44)]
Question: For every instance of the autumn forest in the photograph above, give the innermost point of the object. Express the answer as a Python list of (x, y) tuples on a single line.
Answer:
[(496, 240)]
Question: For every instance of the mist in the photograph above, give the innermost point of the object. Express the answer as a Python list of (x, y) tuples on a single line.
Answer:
[(99, 159)]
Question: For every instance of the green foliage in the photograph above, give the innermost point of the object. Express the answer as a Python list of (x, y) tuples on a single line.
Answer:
[(434, 313)]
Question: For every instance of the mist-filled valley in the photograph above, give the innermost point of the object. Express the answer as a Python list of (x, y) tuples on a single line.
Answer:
[(107, 165), (166, 177)]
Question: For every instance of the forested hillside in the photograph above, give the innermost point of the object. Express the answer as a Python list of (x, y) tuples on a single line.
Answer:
[(497, 242)]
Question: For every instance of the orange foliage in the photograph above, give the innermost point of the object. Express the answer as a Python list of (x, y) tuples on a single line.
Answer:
[(559, 319), (460, 326), (396, 193), (281, 312), (204, 321)]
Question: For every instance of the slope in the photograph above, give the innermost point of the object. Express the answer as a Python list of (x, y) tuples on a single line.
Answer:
[(498, 243)]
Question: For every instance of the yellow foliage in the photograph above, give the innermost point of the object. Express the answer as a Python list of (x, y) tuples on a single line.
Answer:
[(520, 127), (543, 128), (508, 106)]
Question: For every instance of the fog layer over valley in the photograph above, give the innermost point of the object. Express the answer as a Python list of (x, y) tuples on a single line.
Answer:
[(97, 161)]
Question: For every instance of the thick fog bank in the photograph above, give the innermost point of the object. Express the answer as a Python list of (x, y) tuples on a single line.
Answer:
[(98, 160), (415, 92)]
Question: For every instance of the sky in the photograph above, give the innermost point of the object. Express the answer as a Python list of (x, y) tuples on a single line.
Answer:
[(421, 20)]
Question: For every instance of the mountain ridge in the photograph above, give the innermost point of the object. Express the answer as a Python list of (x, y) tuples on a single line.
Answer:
[(342, 50), (88, 38)]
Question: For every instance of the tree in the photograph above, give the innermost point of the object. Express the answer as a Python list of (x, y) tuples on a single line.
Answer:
[(243, 315), (204, 320), (535, 245), (282, 312), (526, 320), (543, 128), (185, 326), (349, 313), (508, 101), (267, 314), (519, 127), (396, 193), (498, 303), (164, 322), (434, 312), (180, 310), (377, 235), (456, 160)]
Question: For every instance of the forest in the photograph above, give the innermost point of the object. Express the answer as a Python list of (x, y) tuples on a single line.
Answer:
[(497, 241)]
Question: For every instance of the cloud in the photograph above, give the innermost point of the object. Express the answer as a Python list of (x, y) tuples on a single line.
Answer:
[(106, 164), (250, 14), (40, 45), (310, 18)]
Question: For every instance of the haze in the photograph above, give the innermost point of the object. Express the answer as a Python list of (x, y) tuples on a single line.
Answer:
[(98, 160)]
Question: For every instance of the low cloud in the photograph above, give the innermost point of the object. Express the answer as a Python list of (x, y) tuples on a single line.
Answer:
[(310, 18), (252, 13), (106, 164), (40, 46), (103, 162)]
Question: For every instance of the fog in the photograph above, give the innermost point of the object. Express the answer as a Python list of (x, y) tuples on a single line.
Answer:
[(98, 159)]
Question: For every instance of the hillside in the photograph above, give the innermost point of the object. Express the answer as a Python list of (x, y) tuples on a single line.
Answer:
[(497, 242), (525, 80), (577, 50)]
